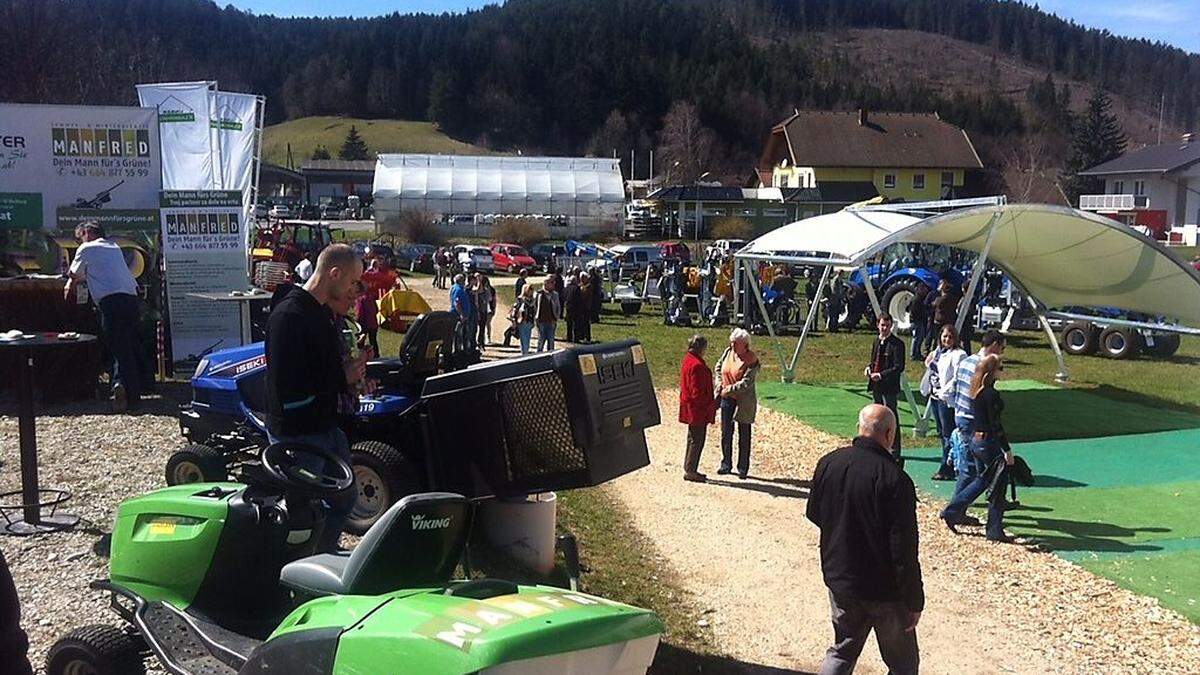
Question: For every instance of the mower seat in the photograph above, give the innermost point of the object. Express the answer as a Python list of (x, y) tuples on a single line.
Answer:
[(421, 353), (417, 543)]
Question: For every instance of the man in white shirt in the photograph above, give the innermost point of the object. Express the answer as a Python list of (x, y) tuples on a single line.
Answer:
[(304, 268), (101, 265)]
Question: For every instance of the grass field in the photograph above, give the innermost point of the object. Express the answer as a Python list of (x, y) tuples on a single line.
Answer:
[(306, 133)]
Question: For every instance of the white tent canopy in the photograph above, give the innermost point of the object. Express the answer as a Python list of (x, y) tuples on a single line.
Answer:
[(1063, 257), (842, 237)]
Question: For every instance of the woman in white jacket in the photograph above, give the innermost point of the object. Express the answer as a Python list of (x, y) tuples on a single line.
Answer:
[(943, 364)]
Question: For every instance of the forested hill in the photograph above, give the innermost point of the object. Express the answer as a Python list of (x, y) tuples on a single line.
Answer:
[(572, 75)]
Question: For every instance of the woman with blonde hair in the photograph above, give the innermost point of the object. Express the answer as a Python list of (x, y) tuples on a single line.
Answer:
[(990, 451), (734, 374)]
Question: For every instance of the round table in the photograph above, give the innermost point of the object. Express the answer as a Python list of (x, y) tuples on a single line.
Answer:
[(33, 520)]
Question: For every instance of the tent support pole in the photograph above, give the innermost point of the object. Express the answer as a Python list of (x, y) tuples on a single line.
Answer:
[(920, 422), (976, 272), (789, 374), (1062, 375), (762, 307)]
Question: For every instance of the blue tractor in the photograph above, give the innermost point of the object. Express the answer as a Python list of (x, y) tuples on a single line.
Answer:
[(225, 422), (903, 268)]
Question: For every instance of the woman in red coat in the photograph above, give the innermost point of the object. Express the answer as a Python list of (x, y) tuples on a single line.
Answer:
[(697, 407)]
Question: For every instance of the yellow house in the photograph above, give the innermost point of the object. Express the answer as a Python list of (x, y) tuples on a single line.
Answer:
[(909, 156)]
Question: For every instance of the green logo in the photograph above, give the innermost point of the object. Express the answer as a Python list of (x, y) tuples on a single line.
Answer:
[(173, 110), (92, 142)]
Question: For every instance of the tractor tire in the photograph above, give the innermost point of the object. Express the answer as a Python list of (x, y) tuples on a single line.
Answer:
[(630, 308), (196, 463), (1165, 345), (1079, 338), (1120, 343), (382, 477), (896, 301), (98, 649)]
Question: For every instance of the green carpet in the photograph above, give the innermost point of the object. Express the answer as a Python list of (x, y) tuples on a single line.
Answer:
[(1117, 484)]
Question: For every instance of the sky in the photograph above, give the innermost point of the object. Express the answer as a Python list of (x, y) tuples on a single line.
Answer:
[(1175, 22)]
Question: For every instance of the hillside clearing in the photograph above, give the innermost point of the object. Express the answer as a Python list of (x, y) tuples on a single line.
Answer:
[(306, 133)]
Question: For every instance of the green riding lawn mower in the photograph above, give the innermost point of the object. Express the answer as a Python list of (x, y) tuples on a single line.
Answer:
[(217, 578)]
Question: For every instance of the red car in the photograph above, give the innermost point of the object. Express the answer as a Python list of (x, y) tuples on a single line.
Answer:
[(675, 249), (511, 258)]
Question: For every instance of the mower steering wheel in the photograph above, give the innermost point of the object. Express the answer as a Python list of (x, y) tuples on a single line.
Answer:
[(309, 468)]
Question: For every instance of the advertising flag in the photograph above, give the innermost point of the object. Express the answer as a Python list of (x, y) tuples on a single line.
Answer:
[(185, 112)]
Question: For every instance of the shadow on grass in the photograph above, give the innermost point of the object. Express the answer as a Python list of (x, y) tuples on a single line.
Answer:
[(1059, 534), (671, 659)]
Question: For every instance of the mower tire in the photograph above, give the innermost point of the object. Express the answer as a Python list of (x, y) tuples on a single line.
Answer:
[(1079, 338), (1120, 343), (382, 476), (196, 463), (1165, 345), (630, 308), (98, 649)]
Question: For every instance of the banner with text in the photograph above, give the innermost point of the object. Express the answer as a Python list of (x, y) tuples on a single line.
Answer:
[(73, 161), (236, 125), (205, 252), (185, 113)]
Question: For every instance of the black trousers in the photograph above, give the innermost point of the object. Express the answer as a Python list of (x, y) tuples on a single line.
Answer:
[(14, 644), (119, 317), (890, 400), (583, 327), (695, 446), (728, 409), (853, 621)]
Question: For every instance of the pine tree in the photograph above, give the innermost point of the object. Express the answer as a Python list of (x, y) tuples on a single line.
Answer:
[(1096, 137), (354, 146), (320, 152)]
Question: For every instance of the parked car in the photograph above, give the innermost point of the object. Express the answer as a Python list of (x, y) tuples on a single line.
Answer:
[(544, 254), (331, 212), (511, 258), (279, 212), (261, 210), (727, 246), (675, 249), (477, 257), (626, 260), (416, 257)]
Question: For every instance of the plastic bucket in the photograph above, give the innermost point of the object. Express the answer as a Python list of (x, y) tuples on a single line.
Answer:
[(522, 530)]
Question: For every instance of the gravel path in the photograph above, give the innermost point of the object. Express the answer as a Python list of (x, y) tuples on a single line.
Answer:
[(747, 549)]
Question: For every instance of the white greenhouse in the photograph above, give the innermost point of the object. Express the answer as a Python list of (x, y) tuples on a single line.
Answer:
[(582, 194)]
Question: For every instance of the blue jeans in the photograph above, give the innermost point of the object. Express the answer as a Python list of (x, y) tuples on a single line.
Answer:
[(338, 506), (119, 319), (943, 415), (920, 328), (728, 409), (987, 469), (546, 336), (524, 334)]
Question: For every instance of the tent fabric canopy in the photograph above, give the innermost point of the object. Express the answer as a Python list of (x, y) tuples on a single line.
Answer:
[(1060, 256), (840, 236)]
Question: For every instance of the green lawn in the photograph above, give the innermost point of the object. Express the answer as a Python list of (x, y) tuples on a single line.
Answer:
[(839, 358), (306, 133)]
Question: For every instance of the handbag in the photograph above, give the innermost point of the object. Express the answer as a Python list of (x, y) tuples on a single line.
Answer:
[(927, 383)]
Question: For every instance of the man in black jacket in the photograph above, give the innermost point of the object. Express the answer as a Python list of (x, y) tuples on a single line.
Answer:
[(306, 374), (866, 508), (884, 370)]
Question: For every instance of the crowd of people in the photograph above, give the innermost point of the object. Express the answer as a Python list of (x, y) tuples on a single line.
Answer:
[(573, 299)]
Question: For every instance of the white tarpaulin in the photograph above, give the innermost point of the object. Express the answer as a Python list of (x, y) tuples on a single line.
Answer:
[(840, 236), (184, 115), (1064, 257), (60, 164)]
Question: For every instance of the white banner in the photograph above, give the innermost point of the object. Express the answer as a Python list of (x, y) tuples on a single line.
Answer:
[(72, 162), (236, 125), (205, 252), (185, 112)]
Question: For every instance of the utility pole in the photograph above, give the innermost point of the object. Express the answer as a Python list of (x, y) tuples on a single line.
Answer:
[(1162, 101)]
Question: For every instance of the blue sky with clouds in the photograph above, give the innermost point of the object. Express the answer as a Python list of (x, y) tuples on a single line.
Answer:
[(1176, 22)]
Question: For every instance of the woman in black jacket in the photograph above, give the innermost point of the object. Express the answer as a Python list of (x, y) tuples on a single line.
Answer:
[(990, 453)]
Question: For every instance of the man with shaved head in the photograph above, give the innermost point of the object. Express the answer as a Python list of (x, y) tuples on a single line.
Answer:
[(866, 508), (306, 373)]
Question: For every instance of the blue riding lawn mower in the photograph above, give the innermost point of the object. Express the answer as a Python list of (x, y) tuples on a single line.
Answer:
[(225, 422)]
